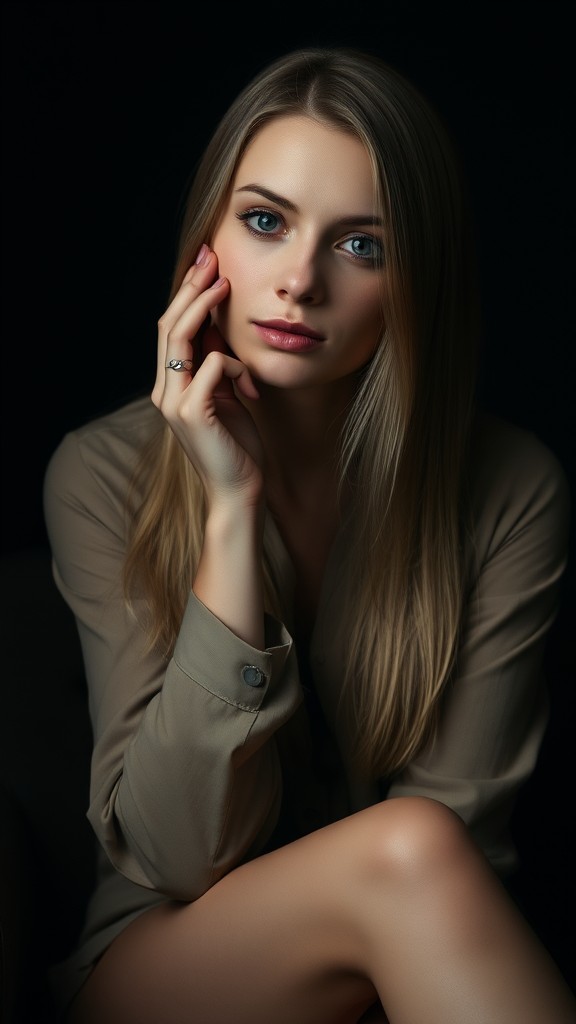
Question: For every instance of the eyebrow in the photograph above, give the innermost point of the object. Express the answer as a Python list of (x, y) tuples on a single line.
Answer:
[(286, 204)]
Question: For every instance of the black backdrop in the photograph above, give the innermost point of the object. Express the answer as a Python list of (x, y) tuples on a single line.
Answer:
[(106, 107)]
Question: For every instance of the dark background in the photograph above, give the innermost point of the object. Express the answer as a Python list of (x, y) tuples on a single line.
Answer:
[(106, 107)]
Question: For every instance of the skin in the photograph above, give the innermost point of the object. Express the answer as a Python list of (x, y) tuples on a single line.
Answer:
[(303, 263), (393, 905), (285, 408)]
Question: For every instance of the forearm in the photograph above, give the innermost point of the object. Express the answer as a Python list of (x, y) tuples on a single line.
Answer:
[(229, 575), (186, 793)]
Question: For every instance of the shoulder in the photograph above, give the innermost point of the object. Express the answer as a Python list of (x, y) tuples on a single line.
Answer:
[(98, 458), (511, 466), (505, 449), (517, 484)]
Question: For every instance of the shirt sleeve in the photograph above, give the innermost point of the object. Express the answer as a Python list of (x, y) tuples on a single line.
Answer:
[(495, 709), (185, 780)]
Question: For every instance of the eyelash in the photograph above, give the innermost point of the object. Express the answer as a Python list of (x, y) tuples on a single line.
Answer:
[(245, 216)]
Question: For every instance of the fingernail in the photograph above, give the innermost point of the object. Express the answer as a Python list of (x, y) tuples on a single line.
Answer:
[(218, 282), (202, 257)]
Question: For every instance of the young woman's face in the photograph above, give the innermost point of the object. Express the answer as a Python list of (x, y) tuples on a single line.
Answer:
[(300, 246)]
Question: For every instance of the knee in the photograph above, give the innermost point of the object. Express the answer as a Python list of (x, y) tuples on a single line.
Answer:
[(417, 838)]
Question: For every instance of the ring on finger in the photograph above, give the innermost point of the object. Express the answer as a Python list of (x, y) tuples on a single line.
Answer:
[(180, 365)]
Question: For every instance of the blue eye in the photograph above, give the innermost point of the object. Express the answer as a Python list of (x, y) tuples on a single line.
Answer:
[(363, 247), (260, 222)]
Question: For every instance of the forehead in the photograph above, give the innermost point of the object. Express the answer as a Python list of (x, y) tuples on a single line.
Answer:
[(306, 161)]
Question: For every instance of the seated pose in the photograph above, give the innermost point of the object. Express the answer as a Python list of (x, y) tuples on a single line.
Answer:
[(313, 582)]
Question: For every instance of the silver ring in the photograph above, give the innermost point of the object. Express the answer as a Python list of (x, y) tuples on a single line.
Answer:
[(180, 365)]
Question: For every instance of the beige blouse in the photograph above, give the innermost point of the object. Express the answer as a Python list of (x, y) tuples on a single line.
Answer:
[(197, 760)]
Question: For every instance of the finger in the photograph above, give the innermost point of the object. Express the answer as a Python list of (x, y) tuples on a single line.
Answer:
[(177, 343), (183, 336), (214, 341), (196, 280), (218, 368)]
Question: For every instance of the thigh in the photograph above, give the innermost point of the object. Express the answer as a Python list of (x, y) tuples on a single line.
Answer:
[(276, 939)]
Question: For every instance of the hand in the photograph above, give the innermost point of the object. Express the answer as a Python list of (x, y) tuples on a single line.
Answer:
[(202, 405)]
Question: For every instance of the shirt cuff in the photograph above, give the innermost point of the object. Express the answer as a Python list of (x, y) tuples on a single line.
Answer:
[(218, 660)]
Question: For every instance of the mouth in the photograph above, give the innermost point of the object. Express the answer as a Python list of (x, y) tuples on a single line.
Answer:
[(290, 337)]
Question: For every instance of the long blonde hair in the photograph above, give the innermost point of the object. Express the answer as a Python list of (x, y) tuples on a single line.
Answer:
[(406, 437)]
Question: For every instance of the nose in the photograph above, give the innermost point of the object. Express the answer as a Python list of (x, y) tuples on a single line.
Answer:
[(300, 276)]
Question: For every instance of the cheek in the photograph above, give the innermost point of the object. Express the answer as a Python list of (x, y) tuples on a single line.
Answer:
[(229, 264), (369, 313), (231, 261), (229, 313), (232, 266)]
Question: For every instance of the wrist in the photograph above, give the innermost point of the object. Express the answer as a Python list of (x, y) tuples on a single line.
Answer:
[(246, 502), (229, 574), (234, 516)]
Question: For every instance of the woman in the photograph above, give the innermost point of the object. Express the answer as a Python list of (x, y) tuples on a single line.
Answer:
[(312, 584)]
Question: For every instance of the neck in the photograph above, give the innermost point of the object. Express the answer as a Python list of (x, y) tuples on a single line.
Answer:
[(300, 432), (301, 429)]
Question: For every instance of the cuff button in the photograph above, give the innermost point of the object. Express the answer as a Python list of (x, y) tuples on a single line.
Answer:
[(252, 675)]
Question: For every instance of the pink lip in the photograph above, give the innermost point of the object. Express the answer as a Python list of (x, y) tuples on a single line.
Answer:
[(290, 337)]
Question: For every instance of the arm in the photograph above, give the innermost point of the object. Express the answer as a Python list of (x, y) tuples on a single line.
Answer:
[(185, 774), (203, 408), (185, 781), (495, 709)]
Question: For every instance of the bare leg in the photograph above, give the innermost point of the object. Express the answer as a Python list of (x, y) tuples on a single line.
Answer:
[(394, 902)]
